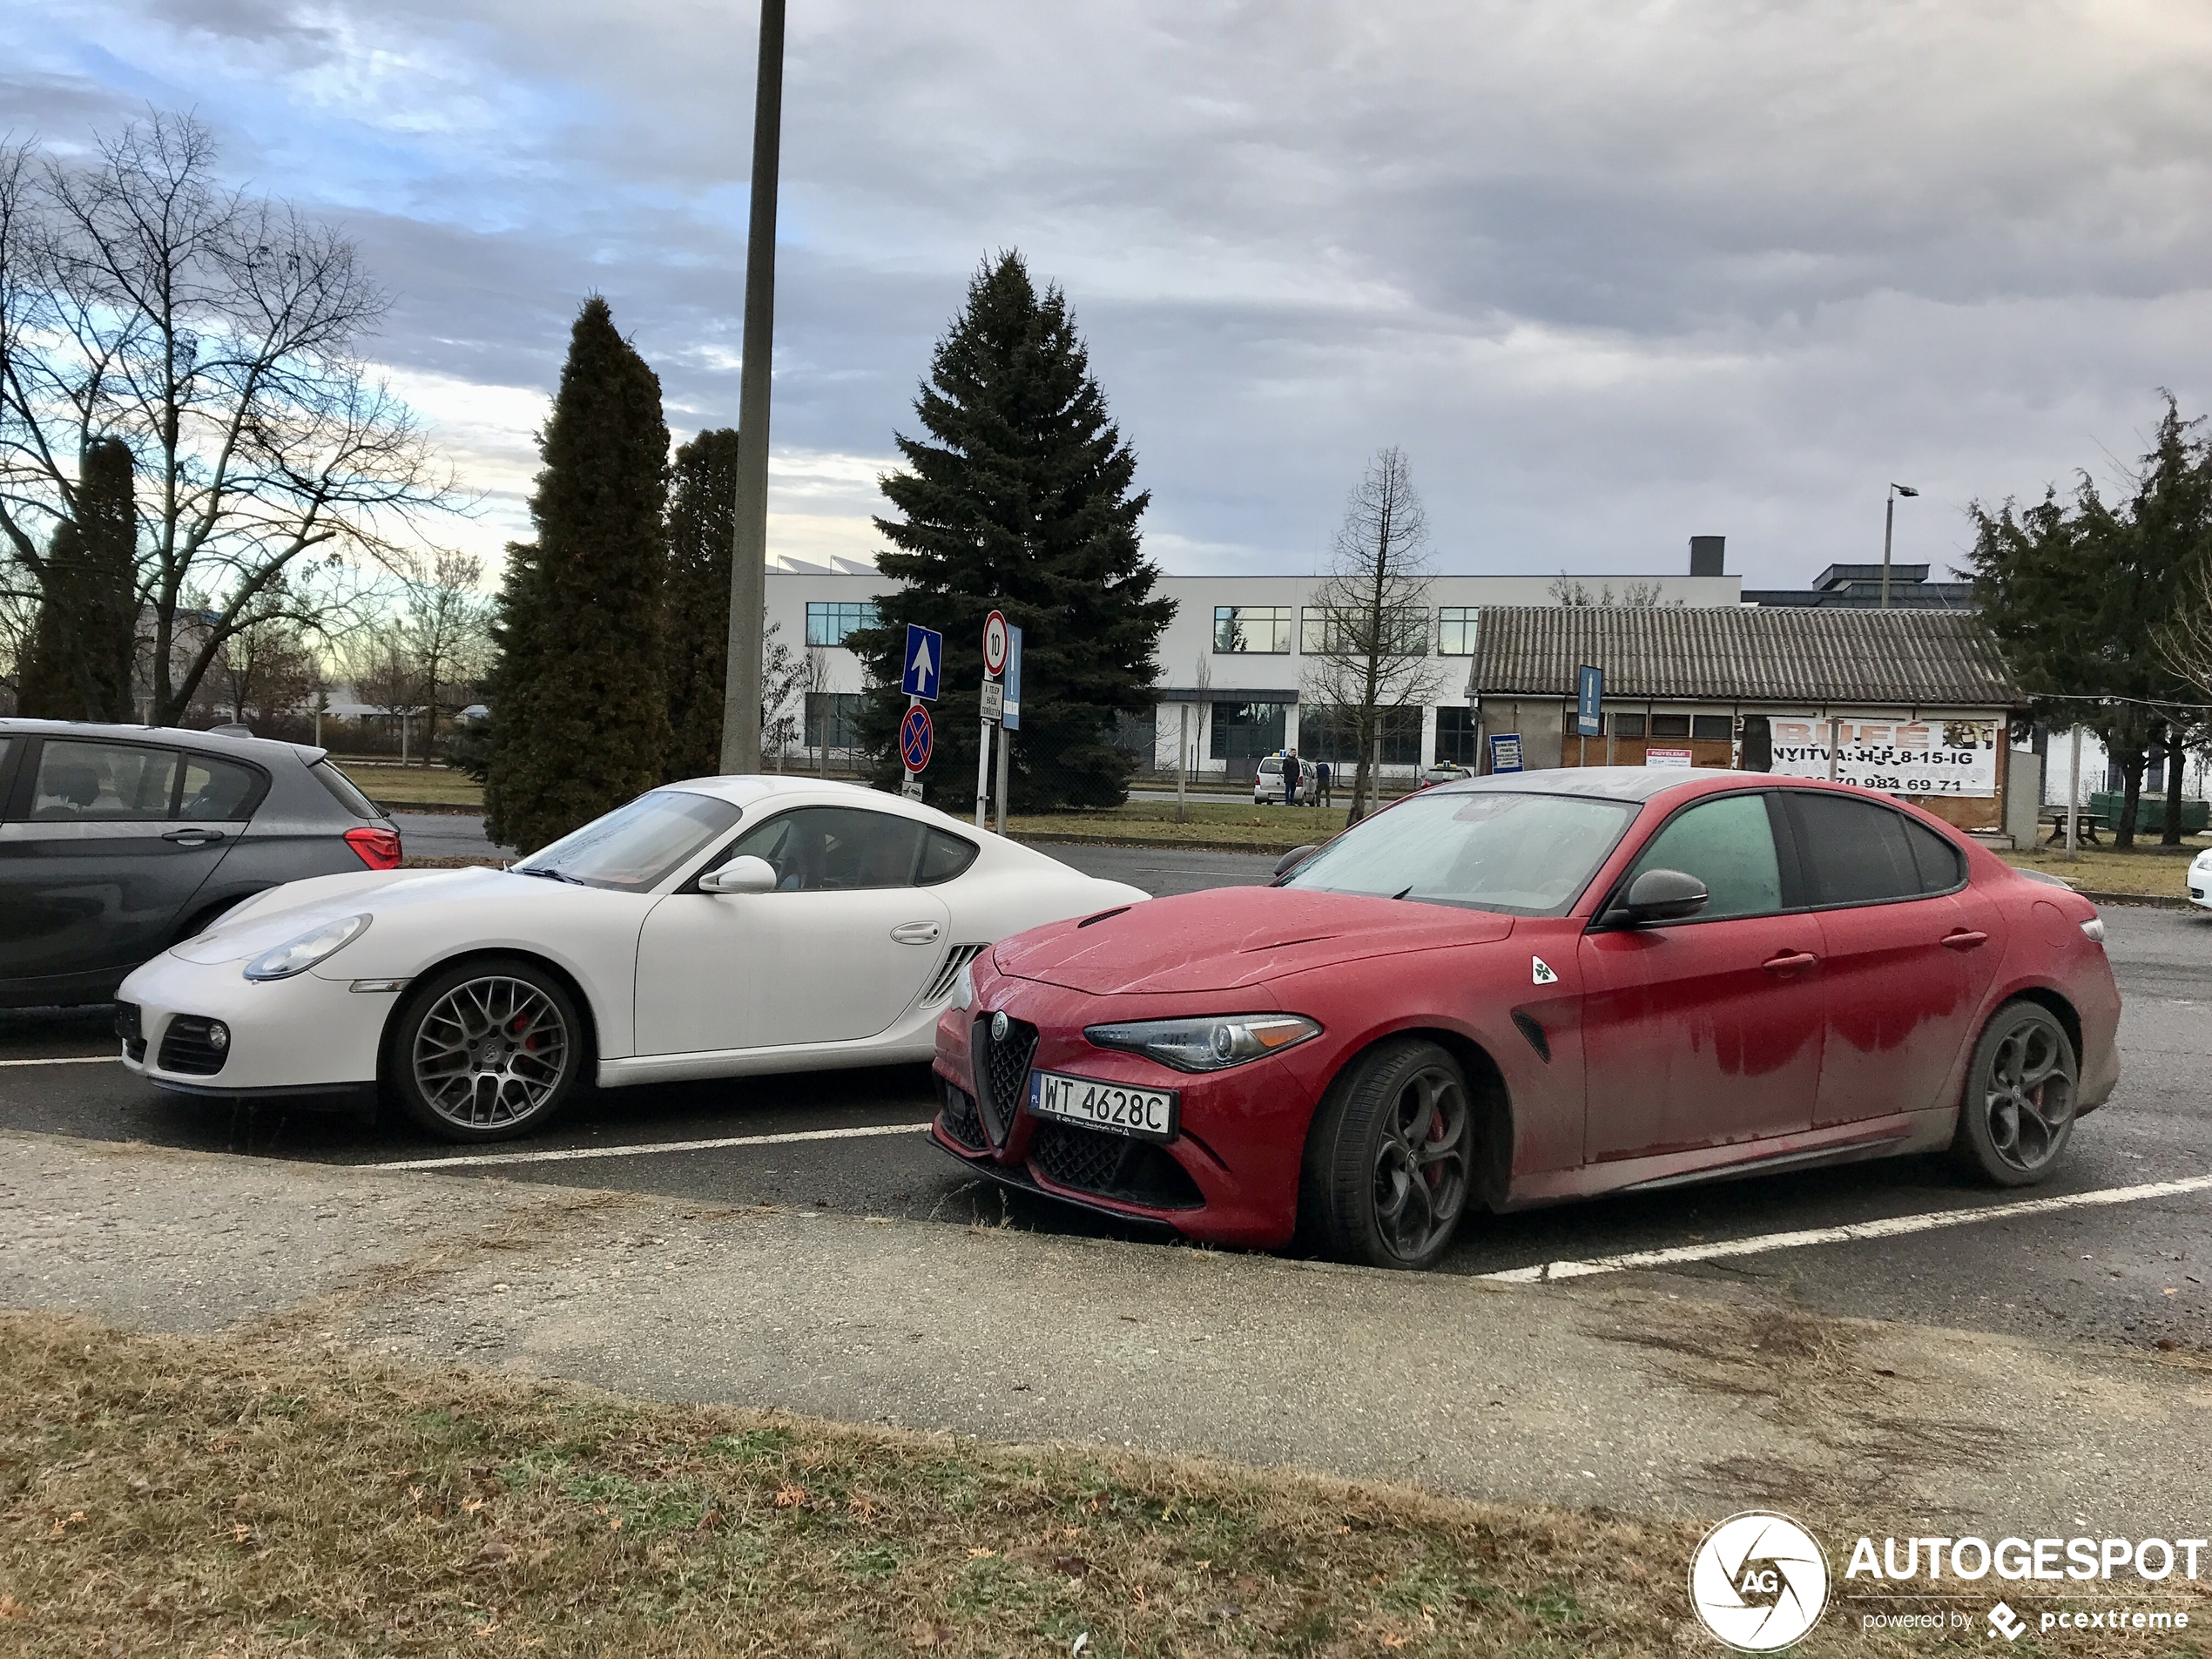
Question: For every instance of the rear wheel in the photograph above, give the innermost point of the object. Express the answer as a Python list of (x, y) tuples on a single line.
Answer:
[(487, 1051), (2017, 1115), (1388, 1160)]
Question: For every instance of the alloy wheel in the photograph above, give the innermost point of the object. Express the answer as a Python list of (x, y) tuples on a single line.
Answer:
[(2027, 1094), (490, 1052), (1421, 1163)]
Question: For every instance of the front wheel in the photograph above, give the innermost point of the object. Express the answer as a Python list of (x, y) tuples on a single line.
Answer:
[(2017, 1115), (1388, 1160), (486, 1050)]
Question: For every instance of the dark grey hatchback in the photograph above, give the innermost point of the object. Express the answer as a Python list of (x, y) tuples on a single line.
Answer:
[(116, 841)]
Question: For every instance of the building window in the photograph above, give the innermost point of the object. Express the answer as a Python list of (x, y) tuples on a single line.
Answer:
[(1455, 630), (833, 720), (1712, 728), (1257, 629), (1324, 631), (829, 621), (1671, 726), (1627, 725), (1455, 736), (1246, 730), (1332, 734)]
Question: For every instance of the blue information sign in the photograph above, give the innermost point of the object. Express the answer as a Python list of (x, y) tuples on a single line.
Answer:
[(1590, 694), (1505, 752), (925, 662), (915, 739), (1010, 714)]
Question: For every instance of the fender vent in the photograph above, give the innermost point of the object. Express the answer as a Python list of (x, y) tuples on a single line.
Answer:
[(948, 976), (1527, 1024)]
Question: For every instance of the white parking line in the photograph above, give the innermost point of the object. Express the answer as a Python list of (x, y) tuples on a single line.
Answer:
[(1549, 1271), (651, 1149), (70, 1060)]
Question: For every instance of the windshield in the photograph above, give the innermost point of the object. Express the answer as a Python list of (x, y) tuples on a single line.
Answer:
[(634, 848), (1529, 855)]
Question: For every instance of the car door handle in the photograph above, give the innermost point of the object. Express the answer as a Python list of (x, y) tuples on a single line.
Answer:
[(1789, 959), (194, 837), (916, 933), (1964, 940)]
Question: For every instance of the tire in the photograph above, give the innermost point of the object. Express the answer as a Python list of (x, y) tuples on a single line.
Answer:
[(2016, 1115), (486, 1050), (1389, 1160)]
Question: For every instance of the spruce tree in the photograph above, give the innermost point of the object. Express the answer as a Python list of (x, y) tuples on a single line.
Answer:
[(79, 661), (579, 712), (702, 513), (1020, 499)]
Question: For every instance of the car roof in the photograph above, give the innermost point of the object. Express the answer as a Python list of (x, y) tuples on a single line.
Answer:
[(176, 736), (1607, 783), (768, 789)]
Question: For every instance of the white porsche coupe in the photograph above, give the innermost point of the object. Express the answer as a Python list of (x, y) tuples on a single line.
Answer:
[(713, 928)]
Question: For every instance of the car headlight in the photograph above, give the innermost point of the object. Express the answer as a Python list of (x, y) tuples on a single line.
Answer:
[(964, 987), (1213, 1044), (298, 956)]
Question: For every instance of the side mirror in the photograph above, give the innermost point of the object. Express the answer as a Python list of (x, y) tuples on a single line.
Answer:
[(745, 874), (1659, 895), (1293, 859)]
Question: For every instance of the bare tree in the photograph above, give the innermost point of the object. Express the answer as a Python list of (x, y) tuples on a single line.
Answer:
[(1574, 593), (784, 675), (266, 669), (1366, 643), (218, 334), (443, 631)]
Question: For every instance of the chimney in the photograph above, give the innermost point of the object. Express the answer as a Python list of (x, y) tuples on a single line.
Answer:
[(1705, 553)]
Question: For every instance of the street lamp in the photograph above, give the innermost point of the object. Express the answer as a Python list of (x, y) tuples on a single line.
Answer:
[(1889, 529)]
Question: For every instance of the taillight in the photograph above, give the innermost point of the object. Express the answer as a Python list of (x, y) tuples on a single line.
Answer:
[(379, 848)]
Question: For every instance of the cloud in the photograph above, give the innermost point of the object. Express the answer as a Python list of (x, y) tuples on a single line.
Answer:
[(1612, 274)]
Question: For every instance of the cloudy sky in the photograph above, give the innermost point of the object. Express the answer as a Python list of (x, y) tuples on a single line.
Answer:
[(1613, 274)]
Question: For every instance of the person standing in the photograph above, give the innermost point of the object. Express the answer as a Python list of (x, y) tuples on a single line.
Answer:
[(1291, 770), (1321, 781)]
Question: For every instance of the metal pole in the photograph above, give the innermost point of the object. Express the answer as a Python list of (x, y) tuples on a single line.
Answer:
[(749, 543), (1835, 746), (2073, 797), (1006, 748), (984, 776), (1182, 761), (1889, 529)]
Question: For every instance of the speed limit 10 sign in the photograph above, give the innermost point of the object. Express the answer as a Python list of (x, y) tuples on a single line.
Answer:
[(995, 643)]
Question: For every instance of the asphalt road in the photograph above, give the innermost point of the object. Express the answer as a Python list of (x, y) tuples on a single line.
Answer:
[(2134, 1272)]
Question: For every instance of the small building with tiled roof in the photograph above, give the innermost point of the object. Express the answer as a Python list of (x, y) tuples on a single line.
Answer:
[(1916, 703)]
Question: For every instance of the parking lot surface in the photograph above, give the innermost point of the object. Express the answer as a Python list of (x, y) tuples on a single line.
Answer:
[(2107, 1265)]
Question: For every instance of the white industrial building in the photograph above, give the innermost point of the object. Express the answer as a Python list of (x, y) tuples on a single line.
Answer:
[(1232, 663)]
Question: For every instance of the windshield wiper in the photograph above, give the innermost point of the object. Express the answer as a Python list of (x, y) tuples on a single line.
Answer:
[(1403, 891), (554, 875)]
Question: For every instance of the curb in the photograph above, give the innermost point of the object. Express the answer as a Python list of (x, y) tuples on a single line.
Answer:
[(2151, 901)]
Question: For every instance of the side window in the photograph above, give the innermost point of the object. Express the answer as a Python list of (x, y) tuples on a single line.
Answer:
[(1853, 852), (1729, 845), (218, 789), (1940, 866), (943, 857), (343, 791), (102, 783), (830, 849)]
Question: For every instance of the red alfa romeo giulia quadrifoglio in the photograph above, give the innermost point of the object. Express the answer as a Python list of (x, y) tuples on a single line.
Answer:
[(1524, 988)]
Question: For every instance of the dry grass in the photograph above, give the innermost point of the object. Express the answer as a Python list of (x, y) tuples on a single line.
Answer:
[(211, 1496), (394, 785), (2149, 870)]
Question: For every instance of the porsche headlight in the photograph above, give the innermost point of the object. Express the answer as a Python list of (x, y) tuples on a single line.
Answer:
[(1213, 1043), (964, 987), (298, 956)]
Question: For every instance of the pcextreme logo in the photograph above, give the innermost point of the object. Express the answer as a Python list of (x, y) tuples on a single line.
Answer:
[(1759, 1581)]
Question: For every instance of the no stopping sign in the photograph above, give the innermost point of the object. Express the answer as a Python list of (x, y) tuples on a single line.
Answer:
[(914, 738)]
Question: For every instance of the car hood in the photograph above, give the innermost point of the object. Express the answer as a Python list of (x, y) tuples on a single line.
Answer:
[(1230, 937), (287, 912)]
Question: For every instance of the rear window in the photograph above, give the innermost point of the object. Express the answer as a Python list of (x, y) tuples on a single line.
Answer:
[(343, 791), (943, 857)]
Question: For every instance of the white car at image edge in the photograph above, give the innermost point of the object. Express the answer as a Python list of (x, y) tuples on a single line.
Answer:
[(2200, 879), (714, 928)]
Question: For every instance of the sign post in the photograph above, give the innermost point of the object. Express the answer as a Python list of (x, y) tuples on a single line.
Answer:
[(1589, 697), (994, 703), (1009, 716)]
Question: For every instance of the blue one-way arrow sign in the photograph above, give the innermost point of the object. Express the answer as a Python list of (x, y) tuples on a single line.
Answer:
[(925, 659)]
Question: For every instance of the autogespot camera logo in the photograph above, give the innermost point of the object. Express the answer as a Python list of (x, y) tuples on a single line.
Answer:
[(1759, 1581)]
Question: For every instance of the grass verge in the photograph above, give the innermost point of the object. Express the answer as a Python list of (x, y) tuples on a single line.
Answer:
[(212, 1496), (1235, 826), (2151, 870), (394, 785)]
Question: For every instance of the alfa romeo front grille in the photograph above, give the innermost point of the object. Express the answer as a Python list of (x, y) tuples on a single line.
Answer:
[(959, 1115), (1113, 1166), (185, 1048), (1002, 1071), (948, 976)]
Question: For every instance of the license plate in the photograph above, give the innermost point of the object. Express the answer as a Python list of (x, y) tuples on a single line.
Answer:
[(1146, 1114)]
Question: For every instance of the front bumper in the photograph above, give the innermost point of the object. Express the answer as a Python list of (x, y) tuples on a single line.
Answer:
[(306, 1035), (2200, 885), (1230, 1176)]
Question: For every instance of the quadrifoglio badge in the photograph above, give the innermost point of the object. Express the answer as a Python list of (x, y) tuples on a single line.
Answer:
[(1759, 1583)]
